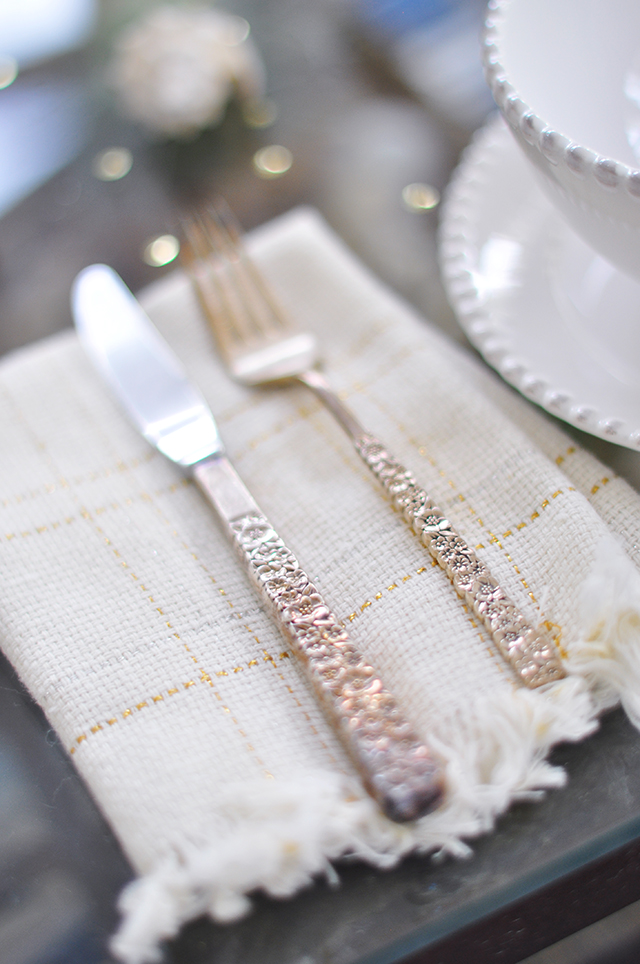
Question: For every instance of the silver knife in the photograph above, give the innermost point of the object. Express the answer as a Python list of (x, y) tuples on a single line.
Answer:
[(398, 768)]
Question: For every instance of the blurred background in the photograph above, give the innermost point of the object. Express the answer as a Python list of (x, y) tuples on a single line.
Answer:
[(368, 96), (115, 117)]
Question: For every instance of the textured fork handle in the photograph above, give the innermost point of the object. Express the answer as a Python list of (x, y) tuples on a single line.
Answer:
[(397, 768), (530, 652)]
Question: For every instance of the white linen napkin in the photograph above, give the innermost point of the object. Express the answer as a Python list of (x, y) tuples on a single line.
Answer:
[(129, 619)]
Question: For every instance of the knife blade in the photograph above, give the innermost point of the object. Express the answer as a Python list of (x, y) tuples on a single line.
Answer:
[(397, 767)]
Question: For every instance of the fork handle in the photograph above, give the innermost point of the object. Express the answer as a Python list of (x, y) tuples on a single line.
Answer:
[(529, 651), (398, 769)]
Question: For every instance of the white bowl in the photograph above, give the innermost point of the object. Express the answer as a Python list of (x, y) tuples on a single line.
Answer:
[(566, 76)]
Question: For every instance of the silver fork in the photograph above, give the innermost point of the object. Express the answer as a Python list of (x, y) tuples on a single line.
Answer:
[(260, 344)]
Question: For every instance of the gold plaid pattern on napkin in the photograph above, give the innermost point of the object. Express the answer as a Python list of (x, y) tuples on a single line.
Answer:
[(130, 621)]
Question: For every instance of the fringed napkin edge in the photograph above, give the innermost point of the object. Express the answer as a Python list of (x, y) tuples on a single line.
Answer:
[(495, 752)]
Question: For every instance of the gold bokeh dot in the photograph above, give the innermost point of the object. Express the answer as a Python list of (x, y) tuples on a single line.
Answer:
[(8, 71), (161, 250), (420, 197), (272, 161), (112, 164)]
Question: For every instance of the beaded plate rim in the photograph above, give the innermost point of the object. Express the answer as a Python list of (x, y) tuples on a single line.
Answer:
[(458, 258), (555, 147)]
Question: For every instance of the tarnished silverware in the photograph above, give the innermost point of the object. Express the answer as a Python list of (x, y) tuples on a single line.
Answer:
[(260, 344), (397, 767)]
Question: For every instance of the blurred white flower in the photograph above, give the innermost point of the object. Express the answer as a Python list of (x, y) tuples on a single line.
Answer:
[(176, 69)]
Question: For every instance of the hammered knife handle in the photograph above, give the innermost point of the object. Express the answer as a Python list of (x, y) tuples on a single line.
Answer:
[(397, 767)]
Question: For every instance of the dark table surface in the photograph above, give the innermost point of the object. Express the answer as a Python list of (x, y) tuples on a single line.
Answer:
[(360, 127)]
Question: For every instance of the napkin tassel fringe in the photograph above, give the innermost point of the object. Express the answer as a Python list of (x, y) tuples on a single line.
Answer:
[(607, 655), (281, 835)]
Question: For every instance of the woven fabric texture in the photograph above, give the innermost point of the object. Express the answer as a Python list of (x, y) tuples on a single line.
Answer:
[(130, 621)]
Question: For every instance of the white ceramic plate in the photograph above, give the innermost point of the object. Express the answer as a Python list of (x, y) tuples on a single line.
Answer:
[(556, 320)]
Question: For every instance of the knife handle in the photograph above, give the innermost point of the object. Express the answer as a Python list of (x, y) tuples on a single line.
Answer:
[(398, 769)]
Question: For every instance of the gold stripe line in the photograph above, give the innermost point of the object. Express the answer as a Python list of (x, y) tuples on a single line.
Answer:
[(41, 449), (49, 488), (136, 707)]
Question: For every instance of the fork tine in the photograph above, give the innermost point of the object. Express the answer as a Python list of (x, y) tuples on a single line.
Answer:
[(233, 294), (194, 254), (232, 266), (219, 298), (259, 300), (229, 224), (255, 338)]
